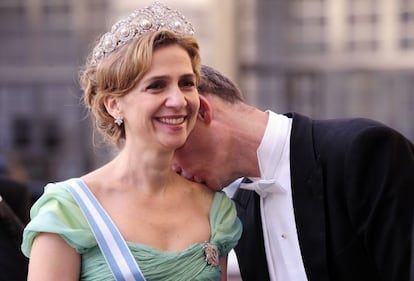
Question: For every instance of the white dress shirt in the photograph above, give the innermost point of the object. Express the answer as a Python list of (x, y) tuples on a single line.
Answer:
[(283, 254)]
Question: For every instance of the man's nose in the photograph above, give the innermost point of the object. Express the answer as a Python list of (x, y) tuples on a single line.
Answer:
[(186, 174), (177, 168)]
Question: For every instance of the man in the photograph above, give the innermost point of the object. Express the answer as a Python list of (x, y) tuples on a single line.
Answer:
[(322, 199), (14, 214)]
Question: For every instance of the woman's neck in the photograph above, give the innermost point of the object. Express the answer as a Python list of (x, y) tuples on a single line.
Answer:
[(147, 169)]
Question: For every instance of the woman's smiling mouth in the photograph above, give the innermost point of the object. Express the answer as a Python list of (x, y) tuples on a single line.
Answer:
[(171, 120)]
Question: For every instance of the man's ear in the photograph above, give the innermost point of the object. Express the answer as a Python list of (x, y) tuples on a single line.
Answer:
[(205, 112), (111, 105)]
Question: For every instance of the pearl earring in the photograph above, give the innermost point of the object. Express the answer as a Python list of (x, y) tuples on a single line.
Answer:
[(119, 120)]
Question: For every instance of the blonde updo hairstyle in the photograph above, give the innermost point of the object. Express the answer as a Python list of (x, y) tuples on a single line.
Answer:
[(121, 71)]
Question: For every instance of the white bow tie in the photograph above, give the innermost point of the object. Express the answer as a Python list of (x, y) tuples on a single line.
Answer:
[(264, 187)]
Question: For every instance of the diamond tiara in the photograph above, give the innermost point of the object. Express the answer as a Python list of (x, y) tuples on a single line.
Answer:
[(155, 17)]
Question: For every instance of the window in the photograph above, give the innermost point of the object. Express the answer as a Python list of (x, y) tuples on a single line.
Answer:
[(21, 133), (13, 31), (308, 23), (406, 18), (363, 25)]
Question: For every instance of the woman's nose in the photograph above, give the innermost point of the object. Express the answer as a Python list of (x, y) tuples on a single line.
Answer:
[(176, 98)]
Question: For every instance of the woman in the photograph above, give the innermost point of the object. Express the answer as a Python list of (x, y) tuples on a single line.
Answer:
[(140, 84)]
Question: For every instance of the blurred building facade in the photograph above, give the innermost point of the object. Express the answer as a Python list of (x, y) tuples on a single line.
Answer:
[(331, 58), (44, 132), (323, 58)]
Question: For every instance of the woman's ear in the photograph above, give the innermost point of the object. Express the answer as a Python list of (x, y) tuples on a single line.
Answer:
[(111, 105), (205, 113)]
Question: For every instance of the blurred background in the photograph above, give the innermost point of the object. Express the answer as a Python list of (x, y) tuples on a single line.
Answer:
[(322, 58)]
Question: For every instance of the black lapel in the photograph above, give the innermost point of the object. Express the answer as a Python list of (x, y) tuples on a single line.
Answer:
[(250, 250), (308, 198)]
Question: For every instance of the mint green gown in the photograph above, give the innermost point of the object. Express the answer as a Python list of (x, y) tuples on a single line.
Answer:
[(57, 212)]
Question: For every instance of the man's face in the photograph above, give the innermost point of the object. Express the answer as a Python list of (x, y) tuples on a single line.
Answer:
[(205, 157)]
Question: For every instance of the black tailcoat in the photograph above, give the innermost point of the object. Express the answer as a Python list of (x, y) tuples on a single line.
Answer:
[(353, 199)]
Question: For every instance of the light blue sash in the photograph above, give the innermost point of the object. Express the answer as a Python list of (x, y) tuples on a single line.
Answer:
[(110, 241)]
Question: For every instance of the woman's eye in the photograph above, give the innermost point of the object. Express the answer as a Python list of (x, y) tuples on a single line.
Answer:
[(156, 85), (187, 83)]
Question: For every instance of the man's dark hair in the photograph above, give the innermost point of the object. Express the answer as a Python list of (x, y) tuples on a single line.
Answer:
[(214, 83)]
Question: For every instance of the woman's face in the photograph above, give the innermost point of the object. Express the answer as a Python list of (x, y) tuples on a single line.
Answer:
[(161, 110)]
